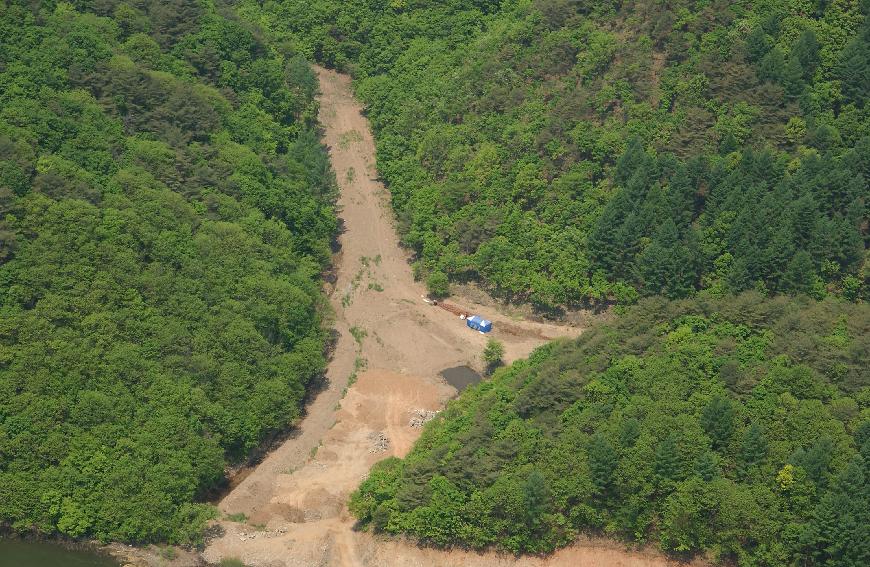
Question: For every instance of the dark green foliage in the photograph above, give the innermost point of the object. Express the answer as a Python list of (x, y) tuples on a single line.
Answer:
[(799, 274), (707, 466), (718, 419), (753, 449), (839, 530), (666, 266), (166, 213), (544, 148), (631, 431), (667, 460), (602, 462), (536, 499)]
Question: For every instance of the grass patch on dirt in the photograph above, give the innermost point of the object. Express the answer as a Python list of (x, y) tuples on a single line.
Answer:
[(348, 138), (358, 335)]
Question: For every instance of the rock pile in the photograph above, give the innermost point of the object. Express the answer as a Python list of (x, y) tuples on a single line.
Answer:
[(380, 443), (419, 417)]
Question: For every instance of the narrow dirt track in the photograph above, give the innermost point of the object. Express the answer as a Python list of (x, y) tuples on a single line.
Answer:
[(295, 501)]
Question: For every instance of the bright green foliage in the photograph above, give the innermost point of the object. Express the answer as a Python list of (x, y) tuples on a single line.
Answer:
[(731, 427), (493, 353), (166, 213), (562, 152), (437, 284)]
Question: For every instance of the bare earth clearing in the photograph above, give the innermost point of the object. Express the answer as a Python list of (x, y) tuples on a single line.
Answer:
[(295, 500)]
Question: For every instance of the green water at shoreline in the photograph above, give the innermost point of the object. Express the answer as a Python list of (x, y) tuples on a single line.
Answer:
[(19, 553)]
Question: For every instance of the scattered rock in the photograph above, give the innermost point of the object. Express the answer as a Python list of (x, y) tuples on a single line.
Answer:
[(380, 443), (419, 417)]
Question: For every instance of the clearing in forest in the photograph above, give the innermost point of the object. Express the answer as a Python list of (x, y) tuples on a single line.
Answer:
[(393, 345)]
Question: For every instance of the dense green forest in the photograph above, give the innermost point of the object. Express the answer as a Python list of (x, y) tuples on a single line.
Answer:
[(740, 427), (166, 210), (564, 152), (166, 213)]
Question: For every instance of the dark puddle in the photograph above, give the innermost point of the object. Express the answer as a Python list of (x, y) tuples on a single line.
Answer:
[(25, 553), (461, 377)]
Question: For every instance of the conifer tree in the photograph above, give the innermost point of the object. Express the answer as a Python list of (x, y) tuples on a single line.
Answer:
[(839, 532), (799, 275), (707, 466), (718, 421), (792, 77), (667, 464), (668, 265), (854, 72), (806, 51), (629, 432), (753, 449), (757, 44), (771, 67), (536, 498), (602, 462)]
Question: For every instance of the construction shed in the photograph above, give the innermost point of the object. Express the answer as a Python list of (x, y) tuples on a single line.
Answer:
[(478, 323)]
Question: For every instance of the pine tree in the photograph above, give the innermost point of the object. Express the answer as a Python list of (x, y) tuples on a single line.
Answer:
[(839, 531), (602, 462), (668, 266), (757, 44), (854, 72), (850, 245), (772, 65), (605, 241), (632, 160), (717, 419), (804, 218), (799, 275), (779, 251), (629, 432), (739, 277), (536, 498), (728, 144), (792, 77), (667, 465), (707, 466), (816, 460), (806, 51), (753, 450)]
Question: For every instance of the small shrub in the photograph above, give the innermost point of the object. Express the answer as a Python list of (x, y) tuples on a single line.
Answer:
[(438, 284), (358, 334), (492, 354)]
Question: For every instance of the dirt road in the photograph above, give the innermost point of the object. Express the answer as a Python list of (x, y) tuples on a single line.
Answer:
[(394, 344)]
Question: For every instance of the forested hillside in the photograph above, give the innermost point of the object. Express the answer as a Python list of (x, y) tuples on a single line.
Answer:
[(564, 152), (165, 214), (739, 428)]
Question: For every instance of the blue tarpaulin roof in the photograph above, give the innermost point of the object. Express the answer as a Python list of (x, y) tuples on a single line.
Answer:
[(478, 323)]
